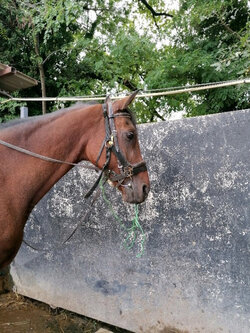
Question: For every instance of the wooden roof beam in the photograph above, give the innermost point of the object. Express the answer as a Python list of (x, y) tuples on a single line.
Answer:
[(7, 71)]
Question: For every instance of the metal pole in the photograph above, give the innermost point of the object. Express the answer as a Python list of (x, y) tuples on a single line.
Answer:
[(24, 112)]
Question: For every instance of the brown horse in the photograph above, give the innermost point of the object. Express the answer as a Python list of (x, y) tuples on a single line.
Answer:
[(71, 135)]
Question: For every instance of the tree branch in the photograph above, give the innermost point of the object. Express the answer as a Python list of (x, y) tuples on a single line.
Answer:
[(153, 12), (90, 33), (127, 83), (50, 55), (155, 113), (4, 93), (226, 26)]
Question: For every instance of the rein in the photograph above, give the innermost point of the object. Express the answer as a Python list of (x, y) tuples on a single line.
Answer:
[(131, 232), (42, 157)]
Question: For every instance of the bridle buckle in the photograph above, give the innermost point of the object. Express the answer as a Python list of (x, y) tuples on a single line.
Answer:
[(110, 142), (128, 171)]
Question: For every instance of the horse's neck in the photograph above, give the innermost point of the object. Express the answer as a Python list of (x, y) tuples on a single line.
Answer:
[(59, 135), (63, 136)]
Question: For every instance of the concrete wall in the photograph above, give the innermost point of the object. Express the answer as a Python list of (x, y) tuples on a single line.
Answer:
[(195, 272)]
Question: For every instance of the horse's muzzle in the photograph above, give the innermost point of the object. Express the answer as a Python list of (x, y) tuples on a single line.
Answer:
[(135, 192)]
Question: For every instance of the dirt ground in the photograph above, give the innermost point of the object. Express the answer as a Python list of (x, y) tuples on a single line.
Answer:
[(19, 314)]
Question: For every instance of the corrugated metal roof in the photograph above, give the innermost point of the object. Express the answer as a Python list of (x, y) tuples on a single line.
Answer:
[(11, 79)]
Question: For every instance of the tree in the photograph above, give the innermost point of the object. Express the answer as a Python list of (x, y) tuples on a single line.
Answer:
[(209, 44), (30, 40), (84, 47), (73, 46)]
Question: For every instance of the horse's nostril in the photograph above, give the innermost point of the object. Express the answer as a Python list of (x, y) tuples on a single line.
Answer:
[(145, 189)]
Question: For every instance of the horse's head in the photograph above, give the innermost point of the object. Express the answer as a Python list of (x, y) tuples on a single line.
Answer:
[(125, 167)]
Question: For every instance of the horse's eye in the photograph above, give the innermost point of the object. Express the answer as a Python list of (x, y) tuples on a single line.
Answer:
[(130, 135)]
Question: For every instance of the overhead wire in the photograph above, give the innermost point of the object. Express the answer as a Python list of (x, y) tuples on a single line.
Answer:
[(145, 93), (187, 86)]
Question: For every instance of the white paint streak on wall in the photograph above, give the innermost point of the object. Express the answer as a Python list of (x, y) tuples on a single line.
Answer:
[(62, 206)]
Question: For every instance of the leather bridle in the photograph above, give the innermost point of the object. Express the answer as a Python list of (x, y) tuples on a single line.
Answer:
[(110, 143)]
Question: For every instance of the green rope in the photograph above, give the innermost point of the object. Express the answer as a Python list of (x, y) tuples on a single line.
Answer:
[(131, 232)]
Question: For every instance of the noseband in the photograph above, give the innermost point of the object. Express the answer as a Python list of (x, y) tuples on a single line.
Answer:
[(110, 142)]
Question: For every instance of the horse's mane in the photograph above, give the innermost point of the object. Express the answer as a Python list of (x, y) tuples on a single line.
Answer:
[(19, 121), (16, 122)]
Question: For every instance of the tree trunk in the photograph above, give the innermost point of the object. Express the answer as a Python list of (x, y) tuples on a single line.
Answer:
[(42, 78), (41, 72)]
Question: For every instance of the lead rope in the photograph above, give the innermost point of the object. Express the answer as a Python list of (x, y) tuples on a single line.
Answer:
[(131, 232), (84, 219), (129, 242)]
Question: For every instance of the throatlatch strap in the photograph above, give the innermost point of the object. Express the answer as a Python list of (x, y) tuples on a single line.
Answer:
[(100, 152)]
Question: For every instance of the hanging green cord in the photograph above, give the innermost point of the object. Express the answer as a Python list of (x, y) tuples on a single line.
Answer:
[(132, 231)]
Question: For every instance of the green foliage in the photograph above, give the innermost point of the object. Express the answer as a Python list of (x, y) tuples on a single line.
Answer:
[(96, 47), (13, 110), (210, 44)]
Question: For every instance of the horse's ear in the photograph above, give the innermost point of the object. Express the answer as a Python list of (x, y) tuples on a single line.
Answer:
[(128, 100)]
